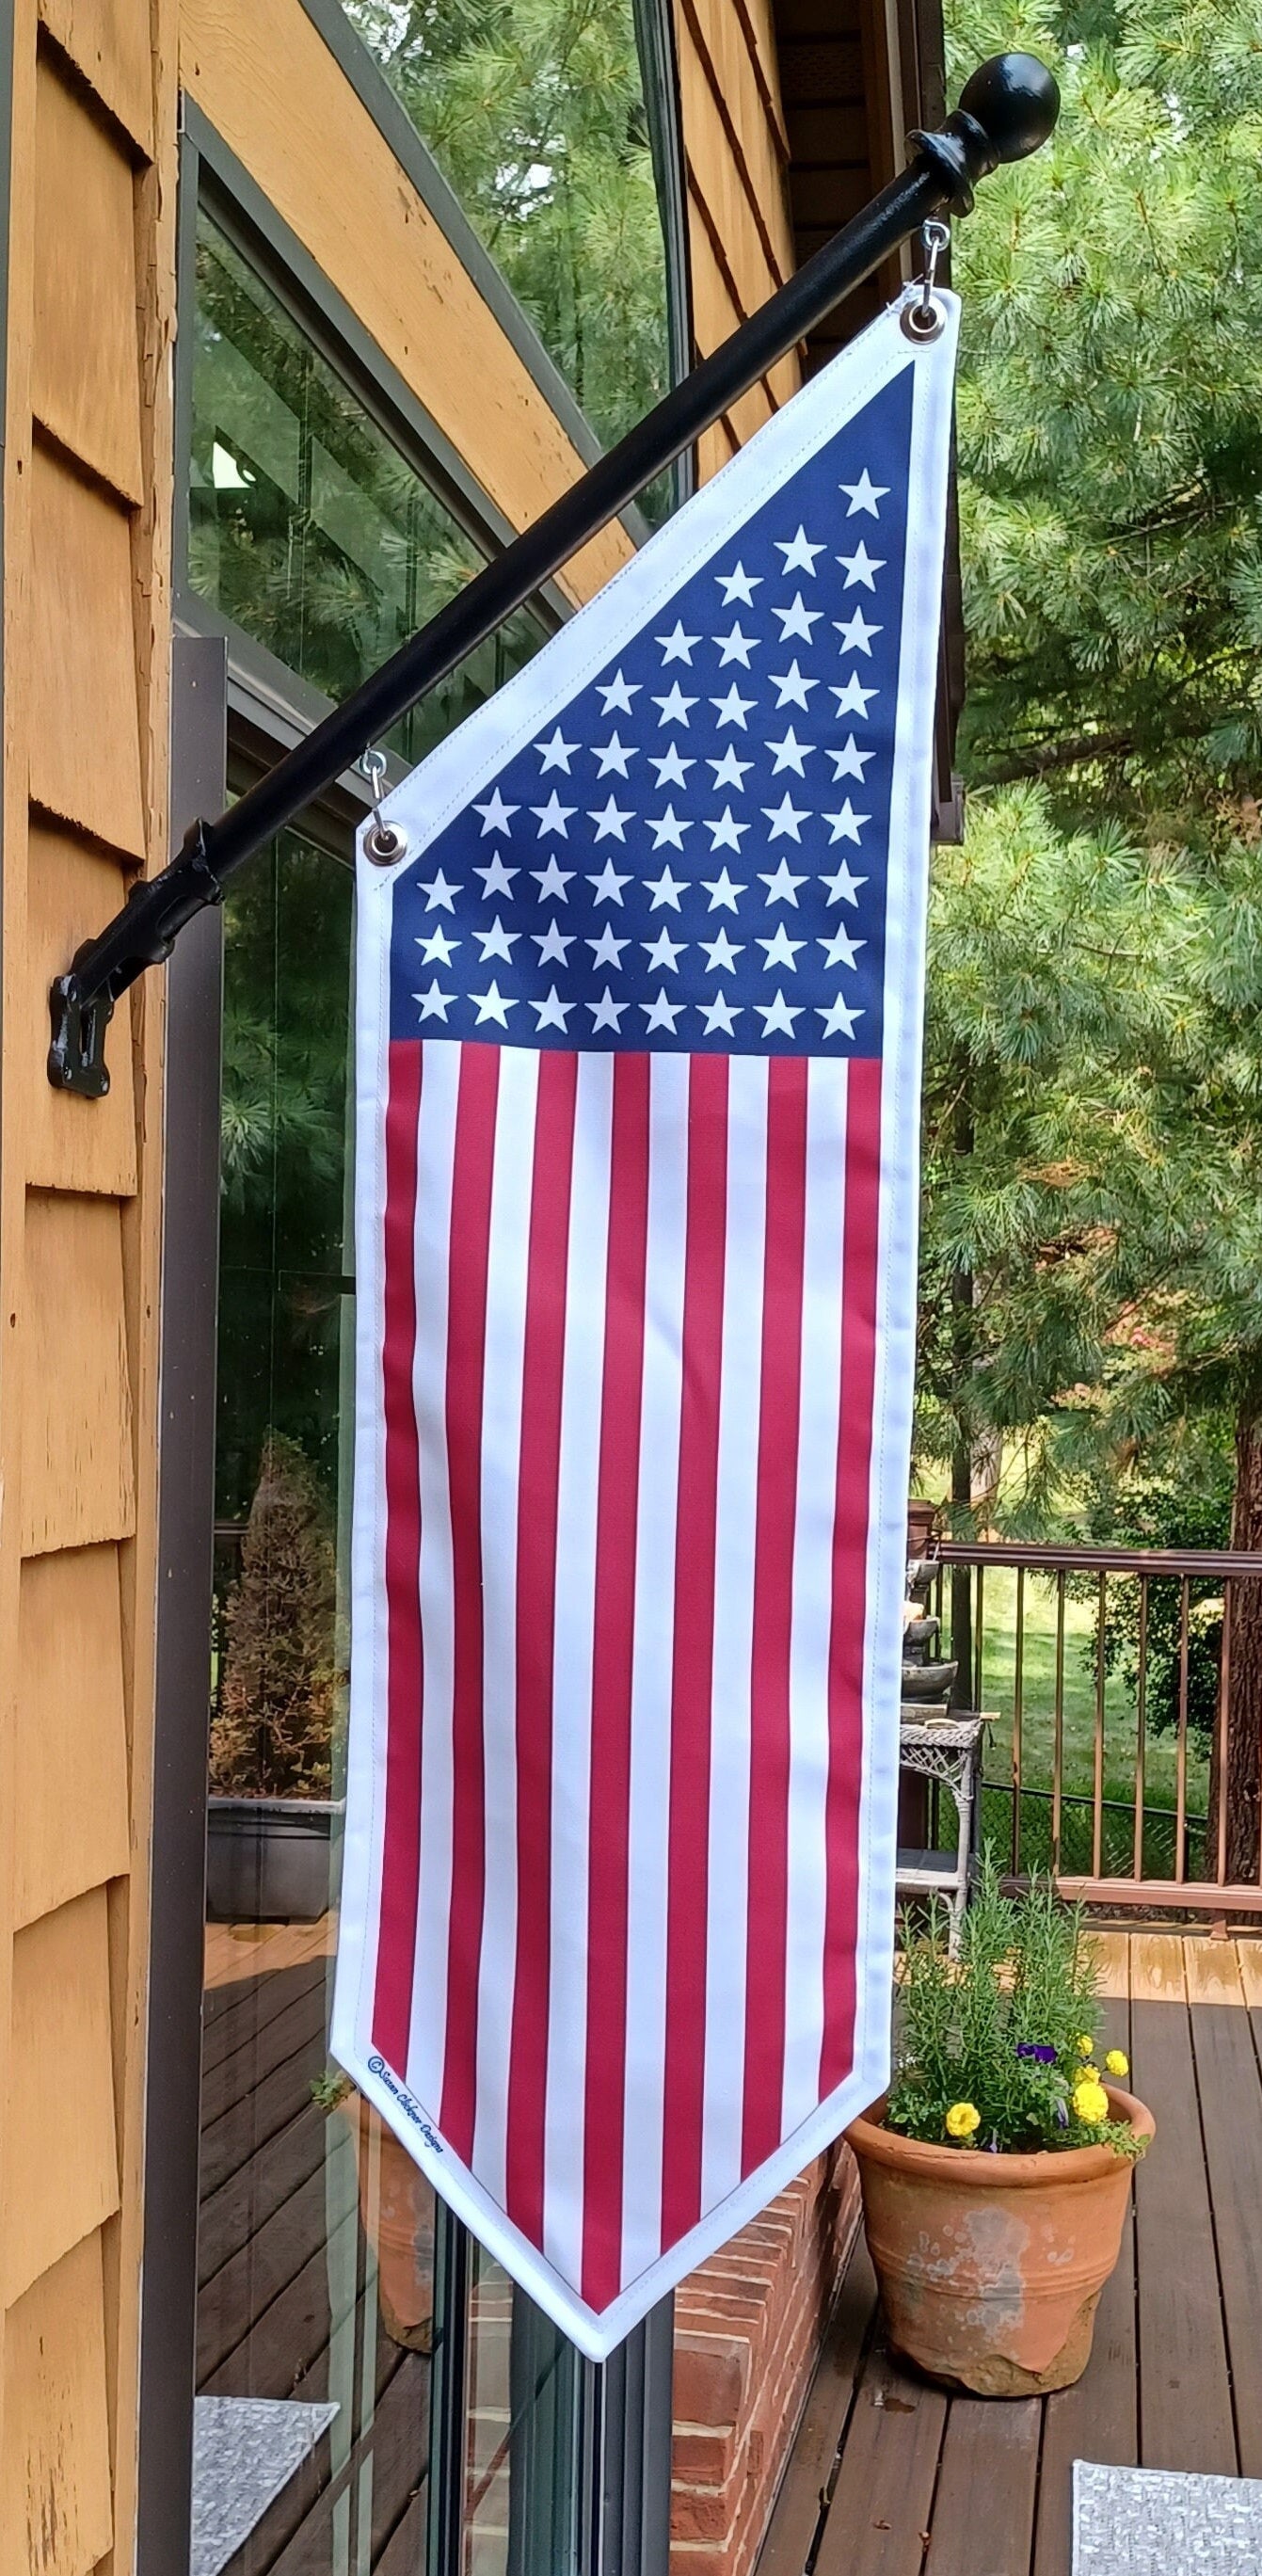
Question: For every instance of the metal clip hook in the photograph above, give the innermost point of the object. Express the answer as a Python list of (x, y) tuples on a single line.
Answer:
[(383, 843), (924, 320)]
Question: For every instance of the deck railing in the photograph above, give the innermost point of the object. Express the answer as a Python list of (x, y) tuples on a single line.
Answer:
[(1109, 1674)]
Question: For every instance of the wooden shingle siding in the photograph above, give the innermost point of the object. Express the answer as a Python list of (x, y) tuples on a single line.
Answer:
[(739, 235), (87, 510)]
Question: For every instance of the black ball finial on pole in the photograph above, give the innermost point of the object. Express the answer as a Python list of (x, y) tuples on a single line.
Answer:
[(1008, 107)]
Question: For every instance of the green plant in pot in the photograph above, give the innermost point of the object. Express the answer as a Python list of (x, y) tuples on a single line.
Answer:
[(996, 2171)]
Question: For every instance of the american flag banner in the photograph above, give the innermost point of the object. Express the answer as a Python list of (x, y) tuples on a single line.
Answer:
[(639, 1016)]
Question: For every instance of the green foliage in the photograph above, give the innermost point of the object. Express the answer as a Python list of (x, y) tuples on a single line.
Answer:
[(968, 2028), (1170, 1512), (272, 1735), (535, 111)]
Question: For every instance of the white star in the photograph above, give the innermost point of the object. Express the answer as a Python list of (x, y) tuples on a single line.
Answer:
[(721, 955), (843, 887), (782, 951), (607, 887), (853, 699), (497, 941), (797, 620), (611, 818), (838, 1021), (799, 554), (439, 896), (497, 879), (729, 771), (606, 1013), (856, 634), (735, 647), (786, 818), (672, 771), (790, 753), (861, 567), (434, 1005), (556, 753), (553, 944), (720, 1015), (552, 1011), (864, 495), (494, 1005), (781, 888), (846, 824), (733, 709), (674, 706), (613, 755), (664, 951), (676, 647), (618, 693), (552, 880), (438, 948), (738, 585), (607, 950), (792, 686), (727, 831), (495, 815), (661, 1014), (668, 829), (664, 889), (554, 816), (723, 894), (841, 949), (850, 762), (778, 1016)]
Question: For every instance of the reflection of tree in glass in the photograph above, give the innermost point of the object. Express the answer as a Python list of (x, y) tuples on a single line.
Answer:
[(535, 111), (307, 527), (272, 1734)]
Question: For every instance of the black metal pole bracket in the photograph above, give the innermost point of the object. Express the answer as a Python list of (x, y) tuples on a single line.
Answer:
[(1007, 109)]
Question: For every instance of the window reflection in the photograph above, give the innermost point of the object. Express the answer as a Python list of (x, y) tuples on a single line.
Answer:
[(307, 527), (535, 112)]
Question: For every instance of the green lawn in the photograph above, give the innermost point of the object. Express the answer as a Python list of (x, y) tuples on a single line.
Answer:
[(1078, 1736)]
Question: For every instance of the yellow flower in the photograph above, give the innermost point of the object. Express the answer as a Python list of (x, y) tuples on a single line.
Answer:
[(1089, 2075), (1086, 2045), (962, 2119), (1117, 2062), (1090, 2101)]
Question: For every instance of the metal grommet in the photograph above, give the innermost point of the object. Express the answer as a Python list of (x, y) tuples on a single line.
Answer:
[(383, 842), (923, 321)]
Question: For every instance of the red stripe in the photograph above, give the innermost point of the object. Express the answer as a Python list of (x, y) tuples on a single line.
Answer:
[(693, 1662), (547, 1257), (401, 1844), (774, 1535), (612, 1668), (472, 1161), (850, 1553)]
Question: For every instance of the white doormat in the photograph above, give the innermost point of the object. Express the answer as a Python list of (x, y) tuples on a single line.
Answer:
[(245, 2449), (1159, 2522)]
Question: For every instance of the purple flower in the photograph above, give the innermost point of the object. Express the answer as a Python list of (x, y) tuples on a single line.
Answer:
[(1062, 2116), (1036, 2048)]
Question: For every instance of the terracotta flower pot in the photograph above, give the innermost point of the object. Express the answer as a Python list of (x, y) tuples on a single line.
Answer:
[(396, 2205), (990, 2267)]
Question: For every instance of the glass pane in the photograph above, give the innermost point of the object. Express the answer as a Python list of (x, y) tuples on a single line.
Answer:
[(535, 111), (306, 526), (523, 2433)]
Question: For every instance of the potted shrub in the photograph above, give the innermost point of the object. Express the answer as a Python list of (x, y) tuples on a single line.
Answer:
[(996, 2171), (271, 1809), (396, 2207)]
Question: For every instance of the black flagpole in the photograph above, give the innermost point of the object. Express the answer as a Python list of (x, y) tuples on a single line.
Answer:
[(1007, 109)]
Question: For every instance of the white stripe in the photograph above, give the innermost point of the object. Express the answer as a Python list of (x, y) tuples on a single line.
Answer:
[(649, 1805), (440, 1075), (736, 1534), (507, 1282), (577, 1496), (826, 1101)]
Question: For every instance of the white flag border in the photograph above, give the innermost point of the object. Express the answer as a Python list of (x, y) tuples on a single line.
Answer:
[(422, 806)]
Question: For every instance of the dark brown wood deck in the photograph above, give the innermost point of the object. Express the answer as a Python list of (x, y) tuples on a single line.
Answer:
[(890, 2477), (287, 2302)]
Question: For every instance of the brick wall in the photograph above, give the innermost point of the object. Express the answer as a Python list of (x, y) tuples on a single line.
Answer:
[(748, 2329)]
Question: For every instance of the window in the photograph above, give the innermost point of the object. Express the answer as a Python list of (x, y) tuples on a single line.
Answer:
[(538, 113)]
